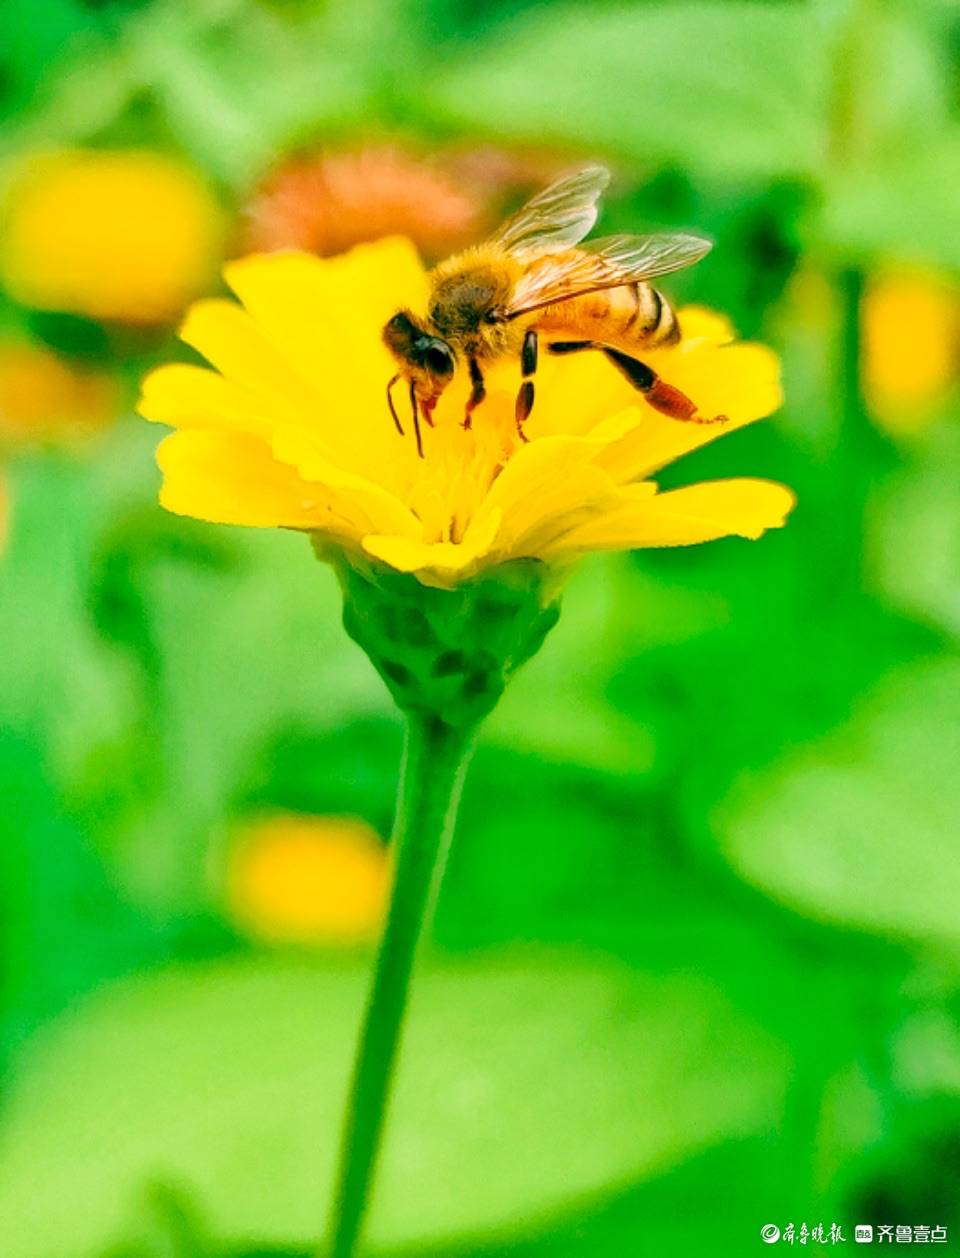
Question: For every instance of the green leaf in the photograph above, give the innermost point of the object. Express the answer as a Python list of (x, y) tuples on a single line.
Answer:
[(901, 205), (35, 33), (916, 534), (860, 828), (885, 192), (527, 1083), (732, 90), (216, 76)]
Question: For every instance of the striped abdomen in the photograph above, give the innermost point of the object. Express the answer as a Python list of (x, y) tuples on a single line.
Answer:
[(629, 317)]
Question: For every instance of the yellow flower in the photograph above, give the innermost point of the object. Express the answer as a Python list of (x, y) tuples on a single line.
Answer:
[(124, 235), (291, 430), (308, 880), (43, 397), (911, 347)]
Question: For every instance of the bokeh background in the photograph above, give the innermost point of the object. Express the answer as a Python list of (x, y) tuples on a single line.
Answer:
[(696, 963)]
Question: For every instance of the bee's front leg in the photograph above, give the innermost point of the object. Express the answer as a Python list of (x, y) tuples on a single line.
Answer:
[(393, 409), (415, 409), (477, 393), (528, 366)]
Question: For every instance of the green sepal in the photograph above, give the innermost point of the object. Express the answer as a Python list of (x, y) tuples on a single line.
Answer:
[(447, 654)]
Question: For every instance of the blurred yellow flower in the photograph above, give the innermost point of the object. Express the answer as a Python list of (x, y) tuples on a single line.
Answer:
[(125, 235), (291, 429), (308, 880), (911, 347), (43, 397)]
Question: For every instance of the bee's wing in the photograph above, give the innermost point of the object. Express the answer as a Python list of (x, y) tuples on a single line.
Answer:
[(605, 263), (556, 218)]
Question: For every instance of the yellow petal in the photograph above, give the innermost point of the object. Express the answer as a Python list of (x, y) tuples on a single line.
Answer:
[(324, 319), (548, 485), (682, 517), (184, 396), (740, 381), (296, 296), (697, 323), (235, 480), (574, 393), (194, 398), (440, 564)]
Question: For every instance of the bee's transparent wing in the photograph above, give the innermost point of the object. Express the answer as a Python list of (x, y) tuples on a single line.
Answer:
[(607, 263), (647, 257), (556, 218)]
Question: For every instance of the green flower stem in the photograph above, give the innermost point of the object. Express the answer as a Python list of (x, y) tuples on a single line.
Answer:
[(435, 759)]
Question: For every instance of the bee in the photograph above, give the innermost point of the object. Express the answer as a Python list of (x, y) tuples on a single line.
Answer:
[(534, 278)]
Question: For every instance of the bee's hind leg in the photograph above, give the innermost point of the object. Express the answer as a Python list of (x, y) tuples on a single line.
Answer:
[(528, 367), (663, 397), (478, 392)]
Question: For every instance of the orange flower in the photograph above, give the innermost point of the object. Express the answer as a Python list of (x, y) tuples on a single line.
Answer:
[(326, 202)]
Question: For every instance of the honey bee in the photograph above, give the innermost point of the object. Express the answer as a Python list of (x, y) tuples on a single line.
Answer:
[(534, 278)]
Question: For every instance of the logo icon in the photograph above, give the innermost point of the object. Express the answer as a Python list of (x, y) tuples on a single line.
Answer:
[(770, 1233), (863, 1233)]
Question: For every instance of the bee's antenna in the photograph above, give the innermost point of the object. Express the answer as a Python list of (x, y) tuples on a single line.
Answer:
[(393, 409), (416, 418)]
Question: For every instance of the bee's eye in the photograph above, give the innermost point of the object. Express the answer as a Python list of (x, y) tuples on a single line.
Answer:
[(438, 359)]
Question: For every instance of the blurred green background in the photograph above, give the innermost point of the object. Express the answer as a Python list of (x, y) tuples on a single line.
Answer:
[(696, 967)]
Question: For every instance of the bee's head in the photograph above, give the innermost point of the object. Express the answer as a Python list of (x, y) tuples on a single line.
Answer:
[(419, 353)]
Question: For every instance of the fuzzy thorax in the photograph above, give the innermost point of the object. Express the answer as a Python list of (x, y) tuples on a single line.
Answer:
[(468, 296)]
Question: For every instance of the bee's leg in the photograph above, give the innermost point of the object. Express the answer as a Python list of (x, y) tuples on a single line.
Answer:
[(477, 393), (393, 409), (571, 347), (663, 397), (528, 366), (416, 418)]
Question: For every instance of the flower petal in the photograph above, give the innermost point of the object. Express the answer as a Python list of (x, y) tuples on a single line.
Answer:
[(739, 381), (234, 479), (194, 399), (682, 517), (185, 396), (440, 564), (296, 295), (231, 478), (549, 485), (324, 319)]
